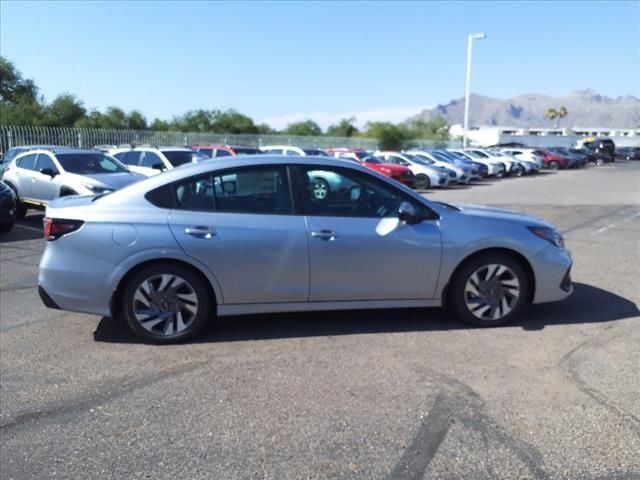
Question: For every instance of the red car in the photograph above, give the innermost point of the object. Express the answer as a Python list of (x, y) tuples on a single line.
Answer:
[(217, 151), (397, 172), (551, 160)]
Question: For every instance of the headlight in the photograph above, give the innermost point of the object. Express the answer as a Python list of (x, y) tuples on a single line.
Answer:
[(97, 188), (548, 234)]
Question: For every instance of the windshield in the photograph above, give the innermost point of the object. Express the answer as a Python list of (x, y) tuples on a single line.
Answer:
[(370, 159), (441, 156), (246, 151), (418, 159), (476, 153), (89, 163), (315, 151), (178, 157)]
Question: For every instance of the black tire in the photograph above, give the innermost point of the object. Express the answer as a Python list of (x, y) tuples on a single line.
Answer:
[(490, 293), (422, 181), (554, 165), (21, 208), (174, 310), (320, 188), (599, 162), (6, 227)]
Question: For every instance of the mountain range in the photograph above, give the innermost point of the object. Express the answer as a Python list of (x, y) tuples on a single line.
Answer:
[(585, 108)]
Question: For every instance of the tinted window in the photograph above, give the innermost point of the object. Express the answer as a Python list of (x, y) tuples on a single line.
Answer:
[(161, 197), (206, 151), (152, 160), (28, 162), (178, 157), (128, 158), (246, 151), (44, 161), (194, 194), (290, 151), (11, 154), (253, 190), (275, 151), (315, 151), (88, 163), (223, 153), (345, 193)]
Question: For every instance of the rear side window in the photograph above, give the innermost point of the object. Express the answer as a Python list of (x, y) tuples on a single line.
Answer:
[(28, 162), (161, 197), (206, 151), (45, 162), (128, 158), (223, 153)]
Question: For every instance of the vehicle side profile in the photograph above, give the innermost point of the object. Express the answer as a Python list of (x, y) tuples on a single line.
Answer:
[(248, 235), (398, 173), (151, 160), (39, 176), (426, 176), (217, 151)]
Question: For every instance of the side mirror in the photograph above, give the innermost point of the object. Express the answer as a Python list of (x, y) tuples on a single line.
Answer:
[(48, 171), (158, 166), (408, 213)]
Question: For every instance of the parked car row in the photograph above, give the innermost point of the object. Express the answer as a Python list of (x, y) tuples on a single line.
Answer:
[(37, 174)]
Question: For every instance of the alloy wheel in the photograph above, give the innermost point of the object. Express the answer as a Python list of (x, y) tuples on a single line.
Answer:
[(165, 304), (491, 292)]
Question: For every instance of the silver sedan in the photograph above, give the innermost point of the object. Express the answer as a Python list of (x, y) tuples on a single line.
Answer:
[(251, 235)]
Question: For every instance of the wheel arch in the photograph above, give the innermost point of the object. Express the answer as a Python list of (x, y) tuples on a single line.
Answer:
[(521, 259), (115, 304)]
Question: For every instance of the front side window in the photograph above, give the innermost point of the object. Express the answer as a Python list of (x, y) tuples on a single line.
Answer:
[(128, 158), (346, 193), (44, 161), (206, 151), (223, 153), (28, 162), (151, 160), (89, 163)]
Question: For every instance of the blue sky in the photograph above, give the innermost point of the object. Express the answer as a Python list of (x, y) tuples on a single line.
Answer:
[(285, 61)]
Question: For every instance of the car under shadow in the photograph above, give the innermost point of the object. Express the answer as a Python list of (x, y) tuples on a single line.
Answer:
[(588, 304)]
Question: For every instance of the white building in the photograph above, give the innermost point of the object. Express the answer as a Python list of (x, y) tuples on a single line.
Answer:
[(485, 136)]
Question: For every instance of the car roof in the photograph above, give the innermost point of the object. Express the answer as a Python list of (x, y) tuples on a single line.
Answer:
[(60, 150)]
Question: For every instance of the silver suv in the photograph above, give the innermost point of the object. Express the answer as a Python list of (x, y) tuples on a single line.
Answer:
[(41, 175), (151, 160)]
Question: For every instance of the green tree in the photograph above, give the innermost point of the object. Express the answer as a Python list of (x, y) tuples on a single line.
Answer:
[(307, 128), (19, 102), (436, 130), (389, 136), (160, 125), (265, 129), (194, 121), (65, 111), (231, 121), (345, 128), (136, 121)]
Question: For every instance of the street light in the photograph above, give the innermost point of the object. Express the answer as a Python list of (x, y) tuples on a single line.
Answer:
[(470, 39)]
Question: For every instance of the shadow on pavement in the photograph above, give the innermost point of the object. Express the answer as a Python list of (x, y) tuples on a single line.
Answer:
[(588, 304)]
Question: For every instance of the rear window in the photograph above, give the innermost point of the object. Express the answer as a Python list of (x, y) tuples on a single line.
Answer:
[(246, 151), (178, 157)]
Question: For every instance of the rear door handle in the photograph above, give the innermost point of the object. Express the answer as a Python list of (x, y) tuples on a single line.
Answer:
[(328, 235), (200, 231)]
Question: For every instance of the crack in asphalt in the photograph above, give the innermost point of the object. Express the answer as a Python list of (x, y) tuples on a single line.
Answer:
[(570, 362), (70, 410), (457, 402)]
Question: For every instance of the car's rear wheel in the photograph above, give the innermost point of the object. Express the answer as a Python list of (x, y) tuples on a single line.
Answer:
[(166, 303), (422, 181), (489, 290), (554, 165), (320, 188)]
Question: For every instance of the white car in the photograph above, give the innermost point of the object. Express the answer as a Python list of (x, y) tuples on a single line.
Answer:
[(512, 166), (291, 150), (425, 175), (463, 173), (150, 161), (526, 154), (495, 167), (529, 166)]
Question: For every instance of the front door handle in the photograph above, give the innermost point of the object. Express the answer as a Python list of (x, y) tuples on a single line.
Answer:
[(328, 235), (200, 231)]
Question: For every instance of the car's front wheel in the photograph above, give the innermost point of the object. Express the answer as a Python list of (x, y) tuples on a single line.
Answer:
[(166, 303), (489, 290), (422, 181)]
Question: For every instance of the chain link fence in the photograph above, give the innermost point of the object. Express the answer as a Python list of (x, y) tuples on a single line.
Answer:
[(13, 136)]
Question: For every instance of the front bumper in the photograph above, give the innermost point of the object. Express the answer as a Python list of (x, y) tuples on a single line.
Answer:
[(552, 271)]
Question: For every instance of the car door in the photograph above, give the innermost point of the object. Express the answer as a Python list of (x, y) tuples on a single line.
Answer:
[(359, 249), (241, 224), (25, 169), (45, 187)]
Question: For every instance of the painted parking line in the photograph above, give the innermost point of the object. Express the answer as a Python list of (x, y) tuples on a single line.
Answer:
[(616, 224)]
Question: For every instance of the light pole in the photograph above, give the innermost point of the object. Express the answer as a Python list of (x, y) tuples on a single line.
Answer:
[(470, 39)]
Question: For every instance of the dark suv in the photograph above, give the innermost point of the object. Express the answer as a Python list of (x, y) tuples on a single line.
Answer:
[(604, 149)]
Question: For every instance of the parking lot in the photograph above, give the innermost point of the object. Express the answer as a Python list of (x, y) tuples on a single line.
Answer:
[(403, 394)]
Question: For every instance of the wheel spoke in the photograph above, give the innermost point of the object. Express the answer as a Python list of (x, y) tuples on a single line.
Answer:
[(150, 323), (180, 322), (491, 270), (142, 297), (165, 282), (491, 292)]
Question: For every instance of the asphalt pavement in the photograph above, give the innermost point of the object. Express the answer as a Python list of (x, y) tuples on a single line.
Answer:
[(404, 394)]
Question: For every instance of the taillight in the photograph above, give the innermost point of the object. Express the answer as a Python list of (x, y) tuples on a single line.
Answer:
[(54, 228)]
